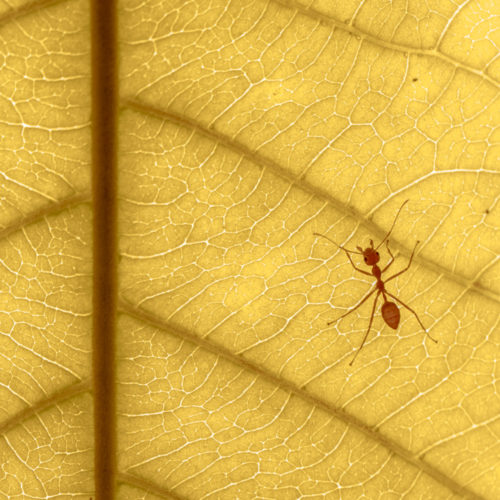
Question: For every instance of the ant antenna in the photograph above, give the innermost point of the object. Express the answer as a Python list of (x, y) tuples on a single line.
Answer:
[(340, 246), (393, 224)]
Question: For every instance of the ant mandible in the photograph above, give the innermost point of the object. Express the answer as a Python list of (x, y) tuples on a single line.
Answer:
[(390, 311)]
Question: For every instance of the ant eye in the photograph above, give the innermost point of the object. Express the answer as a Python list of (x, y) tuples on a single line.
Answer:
[(378, 255)]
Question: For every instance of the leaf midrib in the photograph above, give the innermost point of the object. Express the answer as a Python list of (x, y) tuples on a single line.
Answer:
[(104, 99)]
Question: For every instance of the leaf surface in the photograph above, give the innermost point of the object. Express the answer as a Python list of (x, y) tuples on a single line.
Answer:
[(243, 130)]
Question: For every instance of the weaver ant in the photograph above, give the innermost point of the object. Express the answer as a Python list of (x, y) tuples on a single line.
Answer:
[(390, 311)]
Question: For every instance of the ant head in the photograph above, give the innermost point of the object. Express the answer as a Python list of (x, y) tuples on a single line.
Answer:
[(370, 254)]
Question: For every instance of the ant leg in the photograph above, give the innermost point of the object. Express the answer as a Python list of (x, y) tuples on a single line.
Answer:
[(416, 315), (367, 331), (392, 258), (346, 252), (353, 309), (357, 268), (407, 267)]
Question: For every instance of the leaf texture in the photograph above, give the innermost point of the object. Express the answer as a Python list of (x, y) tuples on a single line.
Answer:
[(245, 128)]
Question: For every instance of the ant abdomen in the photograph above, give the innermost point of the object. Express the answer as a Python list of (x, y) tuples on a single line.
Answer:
[(391, 314)]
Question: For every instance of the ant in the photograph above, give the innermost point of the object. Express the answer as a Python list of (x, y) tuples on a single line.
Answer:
[(390, 311)]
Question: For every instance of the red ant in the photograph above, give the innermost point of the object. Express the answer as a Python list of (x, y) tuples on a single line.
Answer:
[(390, 311)]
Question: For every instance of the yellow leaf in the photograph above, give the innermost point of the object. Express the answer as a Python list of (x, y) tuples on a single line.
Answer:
[(244, 129), (46, 422)]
